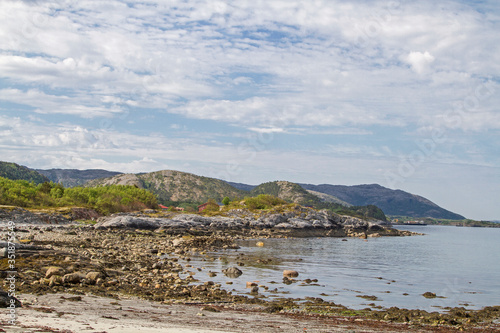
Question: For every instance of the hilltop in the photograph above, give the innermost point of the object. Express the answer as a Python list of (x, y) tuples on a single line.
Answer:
[(15, 171), (175, 186)]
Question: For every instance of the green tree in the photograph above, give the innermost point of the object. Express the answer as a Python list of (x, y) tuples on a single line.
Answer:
[(226, 201)]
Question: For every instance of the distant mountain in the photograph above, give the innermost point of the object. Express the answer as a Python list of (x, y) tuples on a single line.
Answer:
[(15, 172), (176, 186), (73, 177), (392, 202), (241, 186), (293, 192)]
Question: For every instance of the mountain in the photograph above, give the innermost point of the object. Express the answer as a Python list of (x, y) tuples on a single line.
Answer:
[(293, 192), (392, 202), (287, 191), (15, 172), (175, 186), (73, 177), (329, 198)]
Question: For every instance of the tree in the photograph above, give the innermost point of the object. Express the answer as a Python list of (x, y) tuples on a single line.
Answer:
[(226, 201)]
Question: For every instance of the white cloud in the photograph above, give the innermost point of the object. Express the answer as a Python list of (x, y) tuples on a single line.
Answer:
[(419, 61)]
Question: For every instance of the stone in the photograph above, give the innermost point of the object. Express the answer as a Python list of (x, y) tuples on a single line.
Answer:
[(72, 278), (232, 272), (260, 244), (6, 300), (255, 290), (251, 284), (290, 273), (92, 277), (55, 280), (54, 270), (428, 294)]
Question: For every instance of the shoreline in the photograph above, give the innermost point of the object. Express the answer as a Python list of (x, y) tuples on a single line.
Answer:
[(115, 264)]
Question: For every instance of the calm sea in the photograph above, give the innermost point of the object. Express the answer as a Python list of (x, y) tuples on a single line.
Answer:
[(461, 265)]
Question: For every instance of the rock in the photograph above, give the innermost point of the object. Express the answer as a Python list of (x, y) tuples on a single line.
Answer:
[(6, 301), (72, 278), (54, 270), (428, 294), (55, 280), (232, 272), (251, 284), (255, 290), (260, 244), (212, 274), (120, 221), (92, 277), (290, 273)]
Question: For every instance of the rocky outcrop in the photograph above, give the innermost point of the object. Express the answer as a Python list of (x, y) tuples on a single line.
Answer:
[(299, 222), (23, 216)]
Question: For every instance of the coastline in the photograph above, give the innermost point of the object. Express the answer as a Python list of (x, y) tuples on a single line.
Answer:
[(59, 264)]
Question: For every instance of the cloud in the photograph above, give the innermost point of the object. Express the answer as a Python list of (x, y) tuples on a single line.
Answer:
[(419, 61)]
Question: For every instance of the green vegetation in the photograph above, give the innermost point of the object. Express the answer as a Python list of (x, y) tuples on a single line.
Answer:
[(104, 199), (226, 201), (263, 201), (17, 172)]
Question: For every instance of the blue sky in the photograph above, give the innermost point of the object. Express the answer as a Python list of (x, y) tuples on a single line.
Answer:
[(400, 93)]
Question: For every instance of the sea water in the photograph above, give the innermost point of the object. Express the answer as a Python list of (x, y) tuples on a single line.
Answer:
[(460, 265)]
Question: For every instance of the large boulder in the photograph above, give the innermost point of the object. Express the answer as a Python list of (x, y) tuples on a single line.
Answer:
[(125, 221)]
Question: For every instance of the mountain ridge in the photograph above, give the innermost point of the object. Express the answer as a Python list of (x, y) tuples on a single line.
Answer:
[(182, 186), (392, 202)]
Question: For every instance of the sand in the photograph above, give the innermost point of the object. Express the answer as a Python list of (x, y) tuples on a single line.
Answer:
[(64, 313)]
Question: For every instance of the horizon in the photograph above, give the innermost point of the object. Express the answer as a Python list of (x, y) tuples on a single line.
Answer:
[(404, 95)]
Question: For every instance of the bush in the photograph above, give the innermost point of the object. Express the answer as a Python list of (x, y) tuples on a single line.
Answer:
[(263, 201), (105, 199)]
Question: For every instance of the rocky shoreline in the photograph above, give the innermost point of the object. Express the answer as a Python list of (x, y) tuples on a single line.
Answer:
[(147, 256)]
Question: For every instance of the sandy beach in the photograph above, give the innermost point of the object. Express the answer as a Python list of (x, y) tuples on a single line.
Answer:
[(69, 313)]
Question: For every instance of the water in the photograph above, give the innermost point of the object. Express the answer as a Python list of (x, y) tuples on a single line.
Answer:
[(459, 264)]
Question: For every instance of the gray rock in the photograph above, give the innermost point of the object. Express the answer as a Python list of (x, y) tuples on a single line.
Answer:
[(127, 222), (232, 272)]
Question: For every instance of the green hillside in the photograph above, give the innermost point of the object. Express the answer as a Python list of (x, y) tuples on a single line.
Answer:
[(18, 172), (105, 199)]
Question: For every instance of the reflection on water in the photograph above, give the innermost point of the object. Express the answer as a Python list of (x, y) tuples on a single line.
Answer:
[(459, 264)]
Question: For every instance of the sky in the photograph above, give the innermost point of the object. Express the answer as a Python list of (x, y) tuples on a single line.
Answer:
[(404, 94)]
